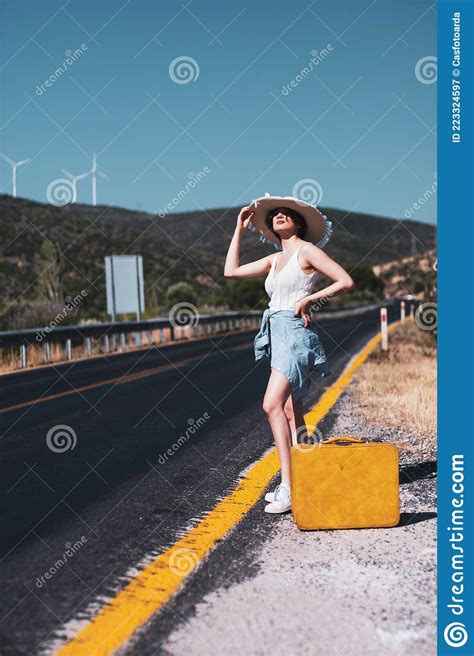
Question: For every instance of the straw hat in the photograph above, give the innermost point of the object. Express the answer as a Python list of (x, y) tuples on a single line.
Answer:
[(319, 227)]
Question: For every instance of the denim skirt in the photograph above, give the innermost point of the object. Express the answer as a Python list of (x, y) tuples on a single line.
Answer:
[(294, 350)]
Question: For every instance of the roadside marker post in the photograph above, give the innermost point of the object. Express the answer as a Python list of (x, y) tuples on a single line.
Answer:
[(23, 356), (402, 311), (384, 328)]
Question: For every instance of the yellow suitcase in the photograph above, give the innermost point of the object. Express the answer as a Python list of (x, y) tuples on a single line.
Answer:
[(344, 482)]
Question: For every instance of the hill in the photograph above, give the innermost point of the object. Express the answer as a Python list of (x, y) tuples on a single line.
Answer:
[(48, 253), (414, 275)]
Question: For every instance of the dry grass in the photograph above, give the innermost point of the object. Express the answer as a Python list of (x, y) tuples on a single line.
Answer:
[(398, 388)]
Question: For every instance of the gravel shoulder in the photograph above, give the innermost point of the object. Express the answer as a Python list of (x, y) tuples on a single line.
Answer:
[(357, 593)]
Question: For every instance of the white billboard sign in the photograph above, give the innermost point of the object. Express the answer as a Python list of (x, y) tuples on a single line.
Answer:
[(124, 282)]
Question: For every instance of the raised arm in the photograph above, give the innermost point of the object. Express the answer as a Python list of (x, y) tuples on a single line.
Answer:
[(232, 269), (343, 282)]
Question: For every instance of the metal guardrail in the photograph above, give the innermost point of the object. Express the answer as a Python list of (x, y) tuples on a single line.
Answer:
[(342, 312), (112, 337)]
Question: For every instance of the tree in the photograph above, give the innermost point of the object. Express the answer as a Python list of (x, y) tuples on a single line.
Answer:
[(366, 280), (245, 295), (47, 266), (180, 292)]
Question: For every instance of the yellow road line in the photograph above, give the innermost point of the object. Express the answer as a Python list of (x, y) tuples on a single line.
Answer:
[(119, 380), (115, 623)]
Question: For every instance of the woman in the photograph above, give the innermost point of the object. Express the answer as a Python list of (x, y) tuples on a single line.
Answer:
[(286, 335)]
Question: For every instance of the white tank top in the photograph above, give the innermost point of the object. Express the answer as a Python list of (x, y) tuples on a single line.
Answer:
[(289, 285)]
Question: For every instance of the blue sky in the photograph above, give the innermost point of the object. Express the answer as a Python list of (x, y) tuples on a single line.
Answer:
[(360, 127)]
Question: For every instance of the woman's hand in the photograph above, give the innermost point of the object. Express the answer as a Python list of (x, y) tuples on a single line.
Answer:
[(303, 309), (244, 217)]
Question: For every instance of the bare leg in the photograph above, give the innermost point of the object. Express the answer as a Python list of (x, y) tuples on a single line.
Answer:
[(278, 391), (295, 415)]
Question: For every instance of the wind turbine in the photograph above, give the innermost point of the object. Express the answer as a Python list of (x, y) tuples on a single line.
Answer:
[(74, 179), (14, 166), (94, 172)]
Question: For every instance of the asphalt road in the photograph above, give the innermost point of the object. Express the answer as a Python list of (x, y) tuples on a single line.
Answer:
[(117, 498)]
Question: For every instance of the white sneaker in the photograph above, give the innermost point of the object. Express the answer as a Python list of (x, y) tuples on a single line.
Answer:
[(281, 500), (270, 496)]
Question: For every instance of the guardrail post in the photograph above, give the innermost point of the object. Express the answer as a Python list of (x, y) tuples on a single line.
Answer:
[(106, 344), (23, 356), (138, 338), (88, 346), (162, 336), (123, 343), (69, 349), (47, 352), (384, 328), (402, 311), (149, 335)]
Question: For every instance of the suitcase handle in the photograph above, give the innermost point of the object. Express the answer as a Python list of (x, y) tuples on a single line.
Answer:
[(344, 438)]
